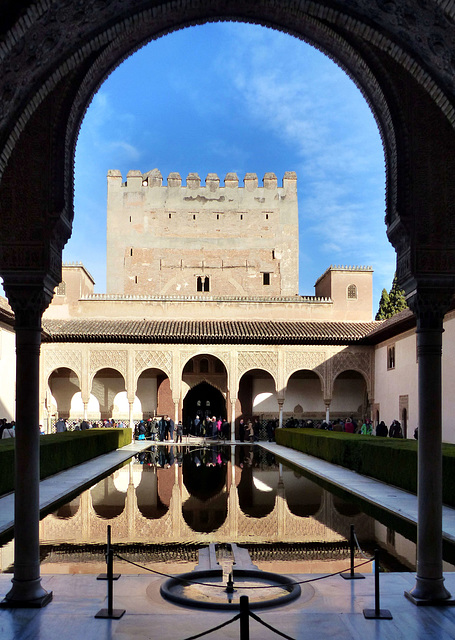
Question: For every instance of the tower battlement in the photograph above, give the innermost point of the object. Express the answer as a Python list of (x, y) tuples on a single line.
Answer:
[(191, 239), (153, 179)]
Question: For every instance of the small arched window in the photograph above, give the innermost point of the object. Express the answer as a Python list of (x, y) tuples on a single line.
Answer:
[(61, 289), (352, 292)]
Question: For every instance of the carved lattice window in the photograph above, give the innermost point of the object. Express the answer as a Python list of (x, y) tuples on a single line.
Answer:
[(352, 292), (61, 289)]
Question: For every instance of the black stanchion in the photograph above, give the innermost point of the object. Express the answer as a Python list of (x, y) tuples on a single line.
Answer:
[(110, 612), (377, 612), (351, 575), (244, 618), (103, 576)]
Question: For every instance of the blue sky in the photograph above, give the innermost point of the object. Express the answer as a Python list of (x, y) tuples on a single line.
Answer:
[(233, 97)]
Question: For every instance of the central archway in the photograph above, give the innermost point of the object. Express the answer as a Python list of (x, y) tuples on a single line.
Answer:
[(203, 399)]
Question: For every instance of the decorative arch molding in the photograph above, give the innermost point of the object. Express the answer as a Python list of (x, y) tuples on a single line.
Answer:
[(223, 356), (396, 29), (306, 360), (67, 359), (359, 361), (144, 360), (199, 379), (107, 359), (265, 360)]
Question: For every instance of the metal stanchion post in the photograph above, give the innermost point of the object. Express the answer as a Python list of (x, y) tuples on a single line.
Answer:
[(110, 612), (103, 576), (377, 612), (244, 618), (351, 575)]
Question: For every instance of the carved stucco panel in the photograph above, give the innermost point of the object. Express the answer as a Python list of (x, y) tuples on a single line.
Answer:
[(224, 356), (153, 360), (267, 360), (360, 361), (55, 359), (108, 359)]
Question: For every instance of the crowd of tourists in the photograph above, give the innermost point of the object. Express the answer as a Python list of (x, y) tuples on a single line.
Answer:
[(7, 429)]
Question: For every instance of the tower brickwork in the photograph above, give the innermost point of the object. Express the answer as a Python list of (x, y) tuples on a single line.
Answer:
[(202, 240)]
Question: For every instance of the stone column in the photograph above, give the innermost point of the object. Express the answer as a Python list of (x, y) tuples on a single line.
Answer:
[(280, 412), (429, 310), (233, 401), (85, 410), (131, 418), (327, 410), (28, 302), (176, 411)]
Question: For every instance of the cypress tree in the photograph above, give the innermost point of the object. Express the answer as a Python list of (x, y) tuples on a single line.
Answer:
[(392, 302)]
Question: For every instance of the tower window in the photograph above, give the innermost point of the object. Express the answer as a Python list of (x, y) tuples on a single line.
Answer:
[(170, 215), (203, 283), (61, 289), (352, 292), (241, 216), (391, 357), (266, 278)]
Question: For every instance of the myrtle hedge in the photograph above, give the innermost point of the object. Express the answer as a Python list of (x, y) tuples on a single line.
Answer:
[(60, 451), (390, 460)]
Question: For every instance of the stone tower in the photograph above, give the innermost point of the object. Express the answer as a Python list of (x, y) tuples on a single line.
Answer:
[(202, 240)]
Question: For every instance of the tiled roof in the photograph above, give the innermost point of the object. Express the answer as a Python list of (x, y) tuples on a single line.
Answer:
[(206, 331)]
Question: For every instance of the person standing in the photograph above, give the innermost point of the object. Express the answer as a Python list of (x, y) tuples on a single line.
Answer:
[(170, 428), (179, 432)]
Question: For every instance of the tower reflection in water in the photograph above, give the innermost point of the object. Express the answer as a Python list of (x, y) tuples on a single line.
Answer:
[(191, 496)]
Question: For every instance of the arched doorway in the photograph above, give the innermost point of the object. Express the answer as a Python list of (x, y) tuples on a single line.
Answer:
[(203, 400)]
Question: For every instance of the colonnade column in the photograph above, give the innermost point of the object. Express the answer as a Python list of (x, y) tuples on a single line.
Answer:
[(429, 311), (131, 417), (280, 412), (233, 401), (176, 410), (28, 303), (327, 410)]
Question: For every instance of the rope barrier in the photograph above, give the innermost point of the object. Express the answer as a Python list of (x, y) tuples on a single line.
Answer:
[(223, 586), (269, 626), (220, 626), (360, 548)]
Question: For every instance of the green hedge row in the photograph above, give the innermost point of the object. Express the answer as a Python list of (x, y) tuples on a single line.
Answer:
[(387, 459), (60, 451)]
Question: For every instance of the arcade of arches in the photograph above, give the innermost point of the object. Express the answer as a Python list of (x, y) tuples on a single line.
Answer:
[(54, 57), (234, 384)]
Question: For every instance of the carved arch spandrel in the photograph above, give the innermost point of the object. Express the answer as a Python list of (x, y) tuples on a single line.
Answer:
[(360, 361)]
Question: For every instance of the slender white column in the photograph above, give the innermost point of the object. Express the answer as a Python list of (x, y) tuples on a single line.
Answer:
[(280, 414), (327, 411), (233, 420), (131, 418)]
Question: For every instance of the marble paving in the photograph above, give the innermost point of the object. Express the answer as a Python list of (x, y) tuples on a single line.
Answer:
[(328, 608)]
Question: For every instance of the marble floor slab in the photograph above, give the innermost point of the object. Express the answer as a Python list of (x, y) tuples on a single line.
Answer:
[(327, 608)]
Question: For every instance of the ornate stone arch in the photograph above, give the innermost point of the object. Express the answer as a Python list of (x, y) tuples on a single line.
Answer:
[(266, 361), (353, 361), (57, 359)]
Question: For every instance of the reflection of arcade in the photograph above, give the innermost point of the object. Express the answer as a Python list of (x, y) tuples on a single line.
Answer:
[(204, 477)]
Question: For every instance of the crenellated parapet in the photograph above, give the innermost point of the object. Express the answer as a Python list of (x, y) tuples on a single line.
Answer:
[(212, 238), (154, 178)]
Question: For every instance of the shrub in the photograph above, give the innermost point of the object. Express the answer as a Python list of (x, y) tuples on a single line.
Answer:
[(60, 451), (387, 459)]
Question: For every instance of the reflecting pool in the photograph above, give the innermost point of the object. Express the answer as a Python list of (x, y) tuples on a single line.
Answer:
[(170, 500)]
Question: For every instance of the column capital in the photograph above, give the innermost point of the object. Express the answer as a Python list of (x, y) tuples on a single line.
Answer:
[(29, 295), (430, 303)]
